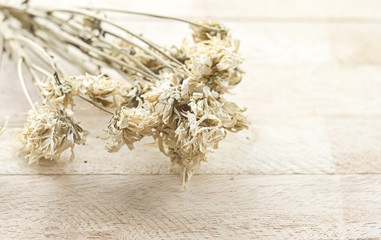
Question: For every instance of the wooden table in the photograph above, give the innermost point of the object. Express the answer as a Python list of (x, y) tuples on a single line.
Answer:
[(308, 167)]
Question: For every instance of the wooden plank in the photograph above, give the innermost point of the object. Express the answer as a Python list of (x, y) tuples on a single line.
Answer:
[(213, 207), (263, 10), (355, 44), (355, 143)]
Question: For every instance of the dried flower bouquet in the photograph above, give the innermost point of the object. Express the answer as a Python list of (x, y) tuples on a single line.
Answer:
[(174, 95)]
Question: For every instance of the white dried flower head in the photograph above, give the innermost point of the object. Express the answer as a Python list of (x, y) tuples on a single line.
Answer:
[(180, 53), (164, 96), (59, 92), (215, 63), (201, 127), (190, 119), (128, 126), (202, 34), (132, 96), (194, 138), (48, 132), (100, 89)]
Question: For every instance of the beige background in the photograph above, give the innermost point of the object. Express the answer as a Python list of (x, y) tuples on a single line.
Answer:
[(313, 92)]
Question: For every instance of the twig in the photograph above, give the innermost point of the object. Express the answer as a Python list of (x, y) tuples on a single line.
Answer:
[(80, 29), (79, 43), (125, 53), (22, 82), (154, 16), (36, 46), (94, 16), (95, 105), (66, 53), (150, 53), (41, 70), (2, 51)]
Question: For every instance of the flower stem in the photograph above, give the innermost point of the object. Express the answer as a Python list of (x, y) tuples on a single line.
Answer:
[(154, 16), (95, 105), (97, 17), (22, 82)]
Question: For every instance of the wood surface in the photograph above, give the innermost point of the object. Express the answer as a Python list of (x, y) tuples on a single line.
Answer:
[(214, 207), (307, 168)]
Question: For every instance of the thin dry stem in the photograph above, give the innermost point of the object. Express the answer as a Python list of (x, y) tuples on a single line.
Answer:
[(97, 17), (78, 42), (153, 16), (22, 82), (95, 105), (51, 61)]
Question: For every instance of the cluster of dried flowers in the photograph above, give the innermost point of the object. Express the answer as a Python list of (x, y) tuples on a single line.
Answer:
[(174, 95)]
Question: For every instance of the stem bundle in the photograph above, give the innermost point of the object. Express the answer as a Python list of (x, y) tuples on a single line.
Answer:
[(174, 95)]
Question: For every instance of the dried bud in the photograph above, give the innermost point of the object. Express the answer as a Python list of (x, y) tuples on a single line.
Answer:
[(59, 93), (128, 126), (100, 89), (48, 132), (203, 34)]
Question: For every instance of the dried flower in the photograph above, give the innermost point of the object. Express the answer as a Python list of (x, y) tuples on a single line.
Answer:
[(163, 97), (202, 34), (59, 92), (180, 53), (214, 62), (128, 126), (48, 132), (194, 123), (101, 90)]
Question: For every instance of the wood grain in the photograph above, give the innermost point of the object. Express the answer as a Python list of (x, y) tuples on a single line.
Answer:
[(355, 143), (313, 92), (213, 207)]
